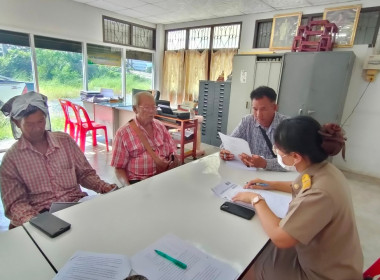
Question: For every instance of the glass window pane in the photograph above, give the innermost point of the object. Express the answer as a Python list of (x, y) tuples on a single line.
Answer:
[(14, 38), (115, 31), (263, 34), (57, 44), (59, 76), (142, 37), (104, 68), (365, 31), (226, 36), (15, 78), (199, 38), (176, 40), (139, 69)]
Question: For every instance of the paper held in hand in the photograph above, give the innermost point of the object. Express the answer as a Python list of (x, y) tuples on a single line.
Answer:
[(235, 145), (278, 202)]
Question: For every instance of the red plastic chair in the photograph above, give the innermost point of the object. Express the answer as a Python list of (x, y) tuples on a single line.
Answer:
[(69, 122), (372, 271), (85, 125)]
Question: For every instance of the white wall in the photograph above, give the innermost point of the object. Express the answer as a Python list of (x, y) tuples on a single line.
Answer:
[(64, 19), (363, 127)]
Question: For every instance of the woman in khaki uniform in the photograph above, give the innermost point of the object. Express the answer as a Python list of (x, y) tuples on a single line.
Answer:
[(318, 238)]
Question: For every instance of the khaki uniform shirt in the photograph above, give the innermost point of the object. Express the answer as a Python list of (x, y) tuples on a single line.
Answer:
[(321, 219)]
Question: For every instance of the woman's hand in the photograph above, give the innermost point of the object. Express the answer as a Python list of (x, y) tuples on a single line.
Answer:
[(258, 184), (244, 197)]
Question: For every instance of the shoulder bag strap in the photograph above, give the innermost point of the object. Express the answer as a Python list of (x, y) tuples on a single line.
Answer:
[(269, 143), (145, 142)]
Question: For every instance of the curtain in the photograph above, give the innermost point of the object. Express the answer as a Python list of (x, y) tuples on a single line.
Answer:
[(221, 61), (196, 69), (173, 76)]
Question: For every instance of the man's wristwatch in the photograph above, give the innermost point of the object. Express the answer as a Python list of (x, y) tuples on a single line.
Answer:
[(256, 199)]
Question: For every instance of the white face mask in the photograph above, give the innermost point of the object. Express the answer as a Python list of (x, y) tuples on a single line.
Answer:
[(283, 165)]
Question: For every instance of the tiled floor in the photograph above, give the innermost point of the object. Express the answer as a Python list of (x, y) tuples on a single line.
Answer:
[(365, 194)]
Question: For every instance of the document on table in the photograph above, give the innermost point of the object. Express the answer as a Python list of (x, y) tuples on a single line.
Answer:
[(95, 266), (277, 202), (200, 266)]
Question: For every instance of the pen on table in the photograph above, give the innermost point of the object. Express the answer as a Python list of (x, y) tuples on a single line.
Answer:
[(260, 184), (173, 260)]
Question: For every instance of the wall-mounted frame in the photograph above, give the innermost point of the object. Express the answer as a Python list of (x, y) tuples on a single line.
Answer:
[(284, 28), (346, 19)]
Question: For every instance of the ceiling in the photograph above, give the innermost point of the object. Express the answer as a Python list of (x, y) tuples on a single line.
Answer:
[(174, 11)]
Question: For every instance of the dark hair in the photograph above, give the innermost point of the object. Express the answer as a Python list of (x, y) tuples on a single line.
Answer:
[(264, 91), (301, 135)]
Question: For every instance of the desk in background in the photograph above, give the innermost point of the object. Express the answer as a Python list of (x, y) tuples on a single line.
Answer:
[(20, 257), (179, 201), (182, 125)]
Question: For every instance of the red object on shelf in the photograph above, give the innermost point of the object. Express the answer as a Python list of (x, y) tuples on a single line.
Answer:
[(318, 35)]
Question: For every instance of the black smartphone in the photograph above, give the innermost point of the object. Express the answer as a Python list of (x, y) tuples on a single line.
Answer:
[(237, 210), (50, 224)]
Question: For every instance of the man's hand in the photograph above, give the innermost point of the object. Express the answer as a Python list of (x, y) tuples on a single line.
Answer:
[(226, 155), (108, 188), (253, 161)]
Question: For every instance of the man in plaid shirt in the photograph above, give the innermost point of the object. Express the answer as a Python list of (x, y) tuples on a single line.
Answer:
[(42, 166)]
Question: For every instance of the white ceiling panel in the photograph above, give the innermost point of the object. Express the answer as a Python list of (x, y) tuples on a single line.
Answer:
[(174, 11)]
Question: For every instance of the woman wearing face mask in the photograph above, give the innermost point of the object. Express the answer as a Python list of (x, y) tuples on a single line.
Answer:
[(318, 238)]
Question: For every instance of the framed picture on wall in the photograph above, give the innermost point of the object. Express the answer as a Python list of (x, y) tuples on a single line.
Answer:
[(346, 19), (284, 28)]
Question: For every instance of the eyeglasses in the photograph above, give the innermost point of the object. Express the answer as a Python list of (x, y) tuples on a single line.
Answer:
[(148, 109)]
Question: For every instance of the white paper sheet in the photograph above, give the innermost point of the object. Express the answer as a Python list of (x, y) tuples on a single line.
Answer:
[(278, 202), (95, 266), (200, 266), (235, 145)]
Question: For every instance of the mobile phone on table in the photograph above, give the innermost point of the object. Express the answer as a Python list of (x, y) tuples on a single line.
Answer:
[(237, 210), (50, 224)]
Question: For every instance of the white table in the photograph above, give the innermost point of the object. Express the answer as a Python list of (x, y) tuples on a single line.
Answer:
[(20, 257), (179, 201)]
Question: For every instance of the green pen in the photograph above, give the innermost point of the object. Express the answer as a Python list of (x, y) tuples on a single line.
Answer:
[(173, 260)]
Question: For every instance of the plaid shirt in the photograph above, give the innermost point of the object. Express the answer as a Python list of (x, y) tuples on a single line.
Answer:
[(31, 181), (130, 154), (249, 130)]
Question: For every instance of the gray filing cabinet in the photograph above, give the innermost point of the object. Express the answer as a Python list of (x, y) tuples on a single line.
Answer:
[(213, 105), (315, 84)]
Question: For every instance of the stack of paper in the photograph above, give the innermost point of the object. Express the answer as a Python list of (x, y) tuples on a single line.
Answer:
[(200, 266)]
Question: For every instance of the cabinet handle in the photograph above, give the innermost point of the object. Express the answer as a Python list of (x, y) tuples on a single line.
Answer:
[(246, 105), (300, 112), (309, 112)]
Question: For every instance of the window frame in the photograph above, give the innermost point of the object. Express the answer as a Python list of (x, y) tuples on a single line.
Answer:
[(131, 25), (203, 26)]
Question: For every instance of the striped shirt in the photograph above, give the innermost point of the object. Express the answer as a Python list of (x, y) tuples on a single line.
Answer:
[(130, 154), (31, 181), (249, 130)]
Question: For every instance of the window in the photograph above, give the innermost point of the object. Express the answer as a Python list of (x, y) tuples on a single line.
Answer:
[(199, 38), (176, 40), (263, 31), (226, 36), (125, 33), (368, 27), (59, 67), (15, 72), (139, 68), (104, 68)]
